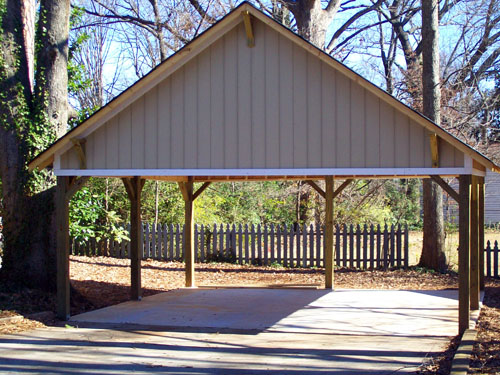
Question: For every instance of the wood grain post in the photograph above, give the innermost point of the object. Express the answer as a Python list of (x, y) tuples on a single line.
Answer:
[(65, 189), (481, 231), (62, 218), (134, 187), (463, 253), (474, 245), (187, 193), (329, 277)]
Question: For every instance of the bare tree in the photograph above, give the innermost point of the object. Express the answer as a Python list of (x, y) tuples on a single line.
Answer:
[(433, 255)]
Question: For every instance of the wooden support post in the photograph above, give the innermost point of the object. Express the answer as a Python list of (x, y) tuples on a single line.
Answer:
[(481, 230), (66, 187), (62, 218), (187, 193), (474, 245), (134, 187), (464, 254), (329, 262)]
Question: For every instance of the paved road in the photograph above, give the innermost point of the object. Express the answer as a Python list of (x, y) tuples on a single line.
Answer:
[(244, 331)]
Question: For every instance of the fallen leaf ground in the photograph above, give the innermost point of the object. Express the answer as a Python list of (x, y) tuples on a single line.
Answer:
[(102, 281)]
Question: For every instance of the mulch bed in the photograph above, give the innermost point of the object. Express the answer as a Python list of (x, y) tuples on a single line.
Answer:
[(486, 355), (101, 281)]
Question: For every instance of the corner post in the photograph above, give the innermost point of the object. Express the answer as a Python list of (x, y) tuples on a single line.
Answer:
[(481, 231), (187, 193), (464, 254), (329, 264), (134, 187), (62, 244), (474, 244)]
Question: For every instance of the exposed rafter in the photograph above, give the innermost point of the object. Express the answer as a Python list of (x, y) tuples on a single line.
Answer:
[(78, 145), (434, 141), (248, 28)]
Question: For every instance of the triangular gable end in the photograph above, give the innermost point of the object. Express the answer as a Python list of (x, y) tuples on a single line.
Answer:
[(278, 108)]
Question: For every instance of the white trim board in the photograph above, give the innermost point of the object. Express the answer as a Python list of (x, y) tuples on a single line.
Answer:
[(269, 172)]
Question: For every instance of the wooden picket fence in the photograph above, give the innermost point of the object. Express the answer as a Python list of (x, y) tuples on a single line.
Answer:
[(360, 247), (491, 259)]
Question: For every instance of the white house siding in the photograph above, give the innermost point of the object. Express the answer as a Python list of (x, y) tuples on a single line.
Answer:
[(491, 200)]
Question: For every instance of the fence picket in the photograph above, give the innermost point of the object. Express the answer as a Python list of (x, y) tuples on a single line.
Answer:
[(298, 250), (228, 242), (171, 253), (272, 255), (247, 257), (278, 244), (337, 246), (201, 249), (266, 246), (379, 245), (233, 243), (398, 244), (318, 245), (291, 249), (351, 246), (165, 239), (392, 250), (240, 243), (365, 247), (304, 246), (344, 246), (358, 246), (311, 245), (154, 233), (215, 250), (221, 242), (372, 247), (495, 260), (406, 254), (146, 249), (252, 237), (259, 245), (285, 245), (195, 243), (386, 247), (488, 258), (178, 241)]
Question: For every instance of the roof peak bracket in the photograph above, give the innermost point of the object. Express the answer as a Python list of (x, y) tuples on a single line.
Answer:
[(434, 140), (248, 28), (78, 145)]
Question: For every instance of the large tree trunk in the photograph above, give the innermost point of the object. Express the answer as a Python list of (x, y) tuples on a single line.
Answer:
[(28, 217), (433, 255), (312, 20), (52, 62)]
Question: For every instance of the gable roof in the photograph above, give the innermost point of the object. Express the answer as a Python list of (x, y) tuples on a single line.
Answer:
[(194, 48)]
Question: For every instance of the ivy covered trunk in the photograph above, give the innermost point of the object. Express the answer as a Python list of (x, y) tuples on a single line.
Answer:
[(30, 119)]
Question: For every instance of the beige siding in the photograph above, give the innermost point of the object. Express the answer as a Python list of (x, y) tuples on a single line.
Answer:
[(271, 106)]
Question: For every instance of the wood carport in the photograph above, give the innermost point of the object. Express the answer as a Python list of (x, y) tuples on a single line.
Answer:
[(248, 100)]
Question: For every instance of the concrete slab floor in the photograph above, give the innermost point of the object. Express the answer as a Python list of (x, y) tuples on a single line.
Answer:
[(245, 331)]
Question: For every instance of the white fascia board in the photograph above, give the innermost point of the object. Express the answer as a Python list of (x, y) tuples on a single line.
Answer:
[(266, 172)]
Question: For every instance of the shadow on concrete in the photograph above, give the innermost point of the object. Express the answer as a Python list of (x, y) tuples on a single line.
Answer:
[(249, 309), (189, 355)]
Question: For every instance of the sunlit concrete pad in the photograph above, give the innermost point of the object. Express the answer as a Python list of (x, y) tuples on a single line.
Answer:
[(244, 331), (362, 312)]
